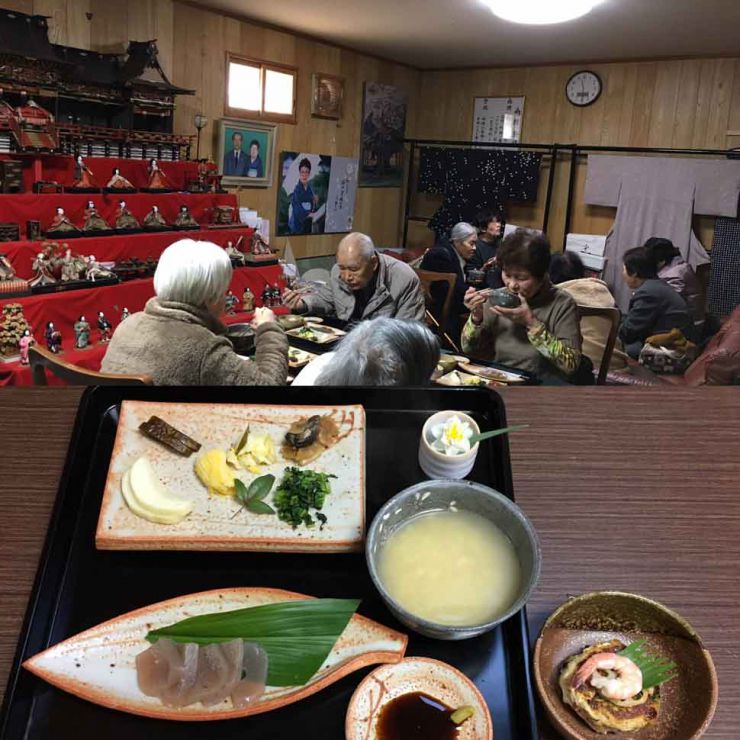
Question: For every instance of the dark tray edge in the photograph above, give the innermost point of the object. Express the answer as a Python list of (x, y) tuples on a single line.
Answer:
[(516, 627)]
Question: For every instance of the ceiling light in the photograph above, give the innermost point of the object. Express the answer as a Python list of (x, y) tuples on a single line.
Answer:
[(541, 11)]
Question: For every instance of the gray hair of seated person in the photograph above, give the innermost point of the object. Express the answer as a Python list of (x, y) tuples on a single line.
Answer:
[(193, 272), (462, 231), (361, 242), (381, 352)]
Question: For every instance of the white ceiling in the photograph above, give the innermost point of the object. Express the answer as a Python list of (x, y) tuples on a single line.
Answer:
[(459, 33)]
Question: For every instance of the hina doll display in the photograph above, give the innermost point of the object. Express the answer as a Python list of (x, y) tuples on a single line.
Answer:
[(104, 327), (154, 220), (53, 338), (119, 182), (25, 343), (125, 314), (231, 303), (82, 333), (184, 220), (43, 268), (61, 224), (93, 220), (95, 271), (247, 300), (7, 271), (259, 246), (157, 179), (234, 254), (125, 220), (72, 266), (83, 176)]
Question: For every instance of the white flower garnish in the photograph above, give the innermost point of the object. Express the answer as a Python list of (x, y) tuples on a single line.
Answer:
[(451, 437)]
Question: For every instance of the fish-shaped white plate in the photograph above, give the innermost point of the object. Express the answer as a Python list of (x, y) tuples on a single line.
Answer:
[(216, 522), (99, 665)]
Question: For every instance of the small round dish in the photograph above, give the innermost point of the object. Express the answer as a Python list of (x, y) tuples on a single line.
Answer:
[(313, 319), (687, 702), (438, 465), (432, 677)]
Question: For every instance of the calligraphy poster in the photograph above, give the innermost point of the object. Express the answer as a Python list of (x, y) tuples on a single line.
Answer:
[(498, 120), (317, 194)]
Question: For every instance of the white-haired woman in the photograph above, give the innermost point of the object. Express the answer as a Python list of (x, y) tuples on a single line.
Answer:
[(452, 256), (178, 339), (379, 351)]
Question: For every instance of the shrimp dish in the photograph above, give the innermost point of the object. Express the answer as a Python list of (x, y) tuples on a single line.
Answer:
[(605, 690)]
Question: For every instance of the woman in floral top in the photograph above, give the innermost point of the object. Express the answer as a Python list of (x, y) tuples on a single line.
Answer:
[(542, 335)]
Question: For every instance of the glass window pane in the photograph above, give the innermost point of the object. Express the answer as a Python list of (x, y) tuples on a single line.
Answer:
[(278, 92), (244, 86)]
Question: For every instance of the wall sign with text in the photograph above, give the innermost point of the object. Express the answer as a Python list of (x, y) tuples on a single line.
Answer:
[(498, 120)]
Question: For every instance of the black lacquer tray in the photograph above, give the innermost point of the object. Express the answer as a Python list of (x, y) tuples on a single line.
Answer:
[(78, 586)]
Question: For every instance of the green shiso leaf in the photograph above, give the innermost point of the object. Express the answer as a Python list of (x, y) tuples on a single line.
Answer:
[(655, 669), (297, 635), (495, 433), (260, 487)]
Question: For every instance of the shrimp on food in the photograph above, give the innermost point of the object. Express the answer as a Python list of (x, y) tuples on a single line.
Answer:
[(613, 676)]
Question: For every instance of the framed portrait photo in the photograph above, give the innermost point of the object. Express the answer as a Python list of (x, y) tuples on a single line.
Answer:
[(246, 152), (327, 96)]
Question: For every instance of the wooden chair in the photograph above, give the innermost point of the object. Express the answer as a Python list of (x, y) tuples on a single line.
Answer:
[(427, 277), (42, 360), (612, 314)]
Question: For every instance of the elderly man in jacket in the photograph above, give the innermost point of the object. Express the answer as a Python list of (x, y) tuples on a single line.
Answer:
[(363, 285)]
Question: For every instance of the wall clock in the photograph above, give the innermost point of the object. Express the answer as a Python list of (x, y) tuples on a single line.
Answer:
[(583, 88)]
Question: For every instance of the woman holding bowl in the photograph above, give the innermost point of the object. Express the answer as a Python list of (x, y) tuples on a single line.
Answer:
[(540, 335)]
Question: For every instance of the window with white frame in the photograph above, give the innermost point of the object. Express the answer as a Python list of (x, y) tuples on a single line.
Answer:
[(259, 89)]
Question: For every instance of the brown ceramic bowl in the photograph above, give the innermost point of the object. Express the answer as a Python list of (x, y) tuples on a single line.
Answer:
[(242, 337), (290, 321), (687, 702)]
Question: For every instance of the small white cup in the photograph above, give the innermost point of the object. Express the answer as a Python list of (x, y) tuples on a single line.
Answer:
[(438, 465)]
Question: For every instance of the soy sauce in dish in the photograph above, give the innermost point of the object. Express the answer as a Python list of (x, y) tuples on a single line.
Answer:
[(416, 716)]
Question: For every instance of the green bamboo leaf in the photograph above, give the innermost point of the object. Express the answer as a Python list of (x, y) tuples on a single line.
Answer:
[(260, 487), (242, 442), (259, 507), (240, 492), (297, 635), (495, 433), (654, 668)]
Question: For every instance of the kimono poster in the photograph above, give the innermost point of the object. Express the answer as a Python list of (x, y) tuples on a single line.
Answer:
[(317, 194), (498, 120)]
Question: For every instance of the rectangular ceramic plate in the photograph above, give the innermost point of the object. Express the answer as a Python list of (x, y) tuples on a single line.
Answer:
[(322, 334), (216, 522)]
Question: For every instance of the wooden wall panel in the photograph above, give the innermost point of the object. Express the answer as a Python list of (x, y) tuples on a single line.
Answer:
[(688, 103), (200, 44)]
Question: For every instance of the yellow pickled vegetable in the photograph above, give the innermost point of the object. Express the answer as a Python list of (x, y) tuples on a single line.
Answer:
[(212, 469), (258, 450)]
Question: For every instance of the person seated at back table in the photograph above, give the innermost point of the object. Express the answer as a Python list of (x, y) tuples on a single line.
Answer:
[(676, 272), (377, 352), (540, 336), (655, 307), (363, 285), (454, 257), (490, 225), (568, 273), (179, 339)]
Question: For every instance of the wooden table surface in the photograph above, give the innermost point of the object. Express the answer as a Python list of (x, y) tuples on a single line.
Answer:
[(634, 489)]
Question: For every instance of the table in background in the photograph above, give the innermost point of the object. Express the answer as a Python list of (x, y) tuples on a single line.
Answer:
[(634, 489)]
